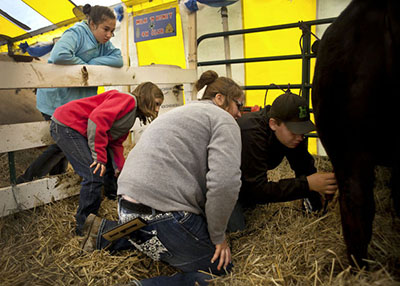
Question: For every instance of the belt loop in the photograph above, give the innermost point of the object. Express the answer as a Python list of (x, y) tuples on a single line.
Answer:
[(153, 212)]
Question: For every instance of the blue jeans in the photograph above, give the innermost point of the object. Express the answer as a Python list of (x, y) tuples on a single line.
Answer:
[(76, 149), (180, 239)]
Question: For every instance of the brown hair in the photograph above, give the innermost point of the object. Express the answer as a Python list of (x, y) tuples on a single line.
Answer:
[(146, 93), (218, 84), (97, 14)]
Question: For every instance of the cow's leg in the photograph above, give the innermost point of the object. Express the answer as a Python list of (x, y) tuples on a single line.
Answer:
[(357, 206)]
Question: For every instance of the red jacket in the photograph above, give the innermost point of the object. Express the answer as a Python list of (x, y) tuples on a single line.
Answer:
[(105, 119)]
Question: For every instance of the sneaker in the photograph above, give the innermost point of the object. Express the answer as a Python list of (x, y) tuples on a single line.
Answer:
[(312, 204), (90, 232)]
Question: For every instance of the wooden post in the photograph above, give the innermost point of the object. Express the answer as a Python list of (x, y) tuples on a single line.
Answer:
[(37, 75), (125, 43)]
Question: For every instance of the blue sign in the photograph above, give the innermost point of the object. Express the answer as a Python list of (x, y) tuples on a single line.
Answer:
[(160, 24)]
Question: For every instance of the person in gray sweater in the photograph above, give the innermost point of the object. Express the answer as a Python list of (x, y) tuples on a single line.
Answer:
[(182, 180)]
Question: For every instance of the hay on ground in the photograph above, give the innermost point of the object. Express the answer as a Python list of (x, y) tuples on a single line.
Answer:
[(281, 246)]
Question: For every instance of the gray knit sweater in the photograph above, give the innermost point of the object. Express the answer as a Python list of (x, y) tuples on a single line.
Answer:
[(188, 159)]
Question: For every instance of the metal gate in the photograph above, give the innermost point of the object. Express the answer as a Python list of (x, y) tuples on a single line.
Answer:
[(306, 54)]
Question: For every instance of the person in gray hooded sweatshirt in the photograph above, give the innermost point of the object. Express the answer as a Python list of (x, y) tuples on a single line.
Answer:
[(183, 180)]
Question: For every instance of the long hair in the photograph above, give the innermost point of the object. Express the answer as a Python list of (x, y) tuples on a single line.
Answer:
[(146, 93), (97, 14), (218, 84)]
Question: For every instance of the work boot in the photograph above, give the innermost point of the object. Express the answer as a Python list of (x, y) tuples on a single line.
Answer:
[(90, 232)]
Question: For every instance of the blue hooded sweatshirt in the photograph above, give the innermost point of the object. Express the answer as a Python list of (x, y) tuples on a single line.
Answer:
[(77, 46)]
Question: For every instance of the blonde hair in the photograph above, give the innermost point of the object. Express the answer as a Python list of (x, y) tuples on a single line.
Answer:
[(218, 84), (146, 93)]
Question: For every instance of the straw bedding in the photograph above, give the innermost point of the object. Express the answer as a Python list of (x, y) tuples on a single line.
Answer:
[(281, 246)]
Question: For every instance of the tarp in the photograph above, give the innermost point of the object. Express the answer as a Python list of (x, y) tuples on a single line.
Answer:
[(192, 4), (22, 19), (26, 17)]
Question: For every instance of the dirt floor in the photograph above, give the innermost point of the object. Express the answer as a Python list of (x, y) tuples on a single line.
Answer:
[(281, 246)]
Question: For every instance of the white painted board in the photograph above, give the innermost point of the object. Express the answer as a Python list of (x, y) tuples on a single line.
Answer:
[(14, 137), (40, 75), (36, 193)]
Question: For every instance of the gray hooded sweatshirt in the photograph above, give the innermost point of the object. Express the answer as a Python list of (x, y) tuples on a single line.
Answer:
[(188, 159)]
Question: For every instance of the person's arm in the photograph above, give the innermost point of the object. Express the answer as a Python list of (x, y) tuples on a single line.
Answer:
[(64, 50), (111, 56), (323, 183), (260, 191), (117, 152), (223, 185), (100, 121), (117, 157), (302, 163)]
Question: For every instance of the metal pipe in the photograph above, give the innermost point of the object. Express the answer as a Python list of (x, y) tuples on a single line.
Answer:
[(261, 87), (306, 64), (264, 29), (251, 60), (227, 46), (305, 55)]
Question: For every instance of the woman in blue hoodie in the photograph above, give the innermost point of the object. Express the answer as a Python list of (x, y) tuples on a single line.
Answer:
[(85, 43)]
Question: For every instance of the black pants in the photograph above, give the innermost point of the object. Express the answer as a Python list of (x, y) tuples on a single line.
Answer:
[(237, 220), (52, 161)]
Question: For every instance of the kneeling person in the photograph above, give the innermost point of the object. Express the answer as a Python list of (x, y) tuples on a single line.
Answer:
[(268, 136), (183, 179)]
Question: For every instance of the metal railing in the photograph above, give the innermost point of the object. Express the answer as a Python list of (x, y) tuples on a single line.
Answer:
[(305, 55)]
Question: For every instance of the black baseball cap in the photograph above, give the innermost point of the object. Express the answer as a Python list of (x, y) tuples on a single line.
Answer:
[(293, 110)]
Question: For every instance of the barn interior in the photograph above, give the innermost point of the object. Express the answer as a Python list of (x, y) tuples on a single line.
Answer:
[(262, 45)]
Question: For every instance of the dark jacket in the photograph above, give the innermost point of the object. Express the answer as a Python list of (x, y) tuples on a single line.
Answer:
[(262, 151)]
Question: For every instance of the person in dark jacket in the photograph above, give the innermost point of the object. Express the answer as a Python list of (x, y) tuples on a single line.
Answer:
[(268, 136)]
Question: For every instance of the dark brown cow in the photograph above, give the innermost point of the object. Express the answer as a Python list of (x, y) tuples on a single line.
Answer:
[(357, 109)]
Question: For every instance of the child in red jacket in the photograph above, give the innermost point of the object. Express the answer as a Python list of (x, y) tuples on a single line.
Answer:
[(90, 132)]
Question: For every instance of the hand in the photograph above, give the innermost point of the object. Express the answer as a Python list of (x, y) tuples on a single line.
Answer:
[(116, 172), (222, 251), (98, 166), (323, 183)]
